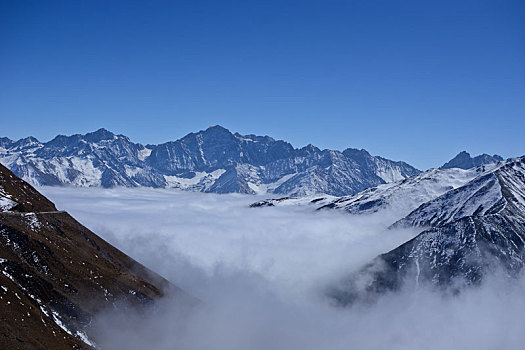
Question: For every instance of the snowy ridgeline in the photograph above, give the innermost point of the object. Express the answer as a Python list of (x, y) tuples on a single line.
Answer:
[(213, 160), (466, 234), (400, 197)]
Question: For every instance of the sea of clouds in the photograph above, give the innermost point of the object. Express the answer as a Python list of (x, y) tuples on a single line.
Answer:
[(261, 274)]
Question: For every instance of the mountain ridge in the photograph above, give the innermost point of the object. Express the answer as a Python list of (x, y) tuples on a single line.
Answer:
[(467, 233), (211, 160), (403, 196), (464, 160)]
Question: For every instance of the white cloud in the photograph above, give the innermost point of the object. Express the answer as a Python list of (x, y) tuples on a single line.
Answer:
[(261, 272)]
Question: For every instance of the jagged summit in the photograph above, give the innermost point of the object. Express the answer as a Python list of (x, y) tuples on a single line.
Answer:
[(25, 144), (356, 153), (217, 128), (99, 135), (211, 131), (211, 160), (464, 161), (308, 150)]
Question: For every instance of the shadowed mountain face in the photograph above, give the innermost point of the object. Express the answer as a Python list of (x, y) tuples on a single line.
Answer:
[(56, 274), (468, 233), (464, 161), (213, 160)]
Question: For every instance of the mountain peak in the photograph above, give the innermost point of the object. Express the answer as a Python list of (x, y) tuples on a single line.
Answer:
[(213, 132), (99, 135), (309, 149), (29, 139), (27, 142), (102, 131), (464, 160), (356, 154), (217, 128), (4, 141)]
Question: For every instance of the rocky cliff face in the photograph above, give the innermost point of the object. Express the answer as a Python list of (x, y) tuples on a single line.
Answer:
[(213, 160), (56, 274)]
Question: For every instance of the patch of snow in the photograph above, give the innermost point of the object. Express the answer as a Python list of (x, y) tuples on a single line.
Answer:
[(32, 221), (144, 153), (256, 189), (272, 186), (78, 334), (5, 201), (6, 274), (6, 204), (85, 339), (199, 178), (390, 174), (133, 170)]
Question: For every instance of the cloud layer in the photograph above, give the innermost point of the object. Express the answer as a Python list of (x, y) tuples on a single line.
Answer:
[(261, 273)]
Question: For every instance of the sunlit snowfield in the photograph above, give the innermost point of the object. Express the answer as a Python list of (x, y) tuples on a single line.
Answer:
[(262, 271)]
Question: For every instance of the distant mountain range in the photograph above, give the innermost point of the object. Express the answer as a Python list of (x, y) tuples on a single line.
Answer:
[(213, 160)]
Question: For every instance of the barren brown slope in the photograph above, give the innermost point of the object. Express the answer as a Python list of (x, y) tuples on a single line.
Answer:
[(55, 274)]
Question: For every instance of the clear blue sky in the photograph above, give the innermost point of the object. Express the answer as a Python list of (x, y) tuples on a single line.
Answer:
[(412, 80)]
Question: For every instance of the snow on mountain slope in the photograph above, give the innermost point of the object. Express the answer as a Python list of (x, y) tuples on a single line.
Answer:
[(6, 201), (408, 194), (475, 230), (489, 193), (213, 160), (398, 198)]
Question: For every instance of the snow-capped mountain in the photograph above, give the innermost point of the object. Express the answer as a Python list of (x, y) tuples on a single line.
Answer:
[(464, 161), (397, 199), (406, 195), (468, 232), (213, 160)]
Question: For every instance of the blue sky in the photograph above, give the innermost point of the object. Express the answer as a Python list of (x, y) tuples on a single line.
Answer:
[(412, 80)]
